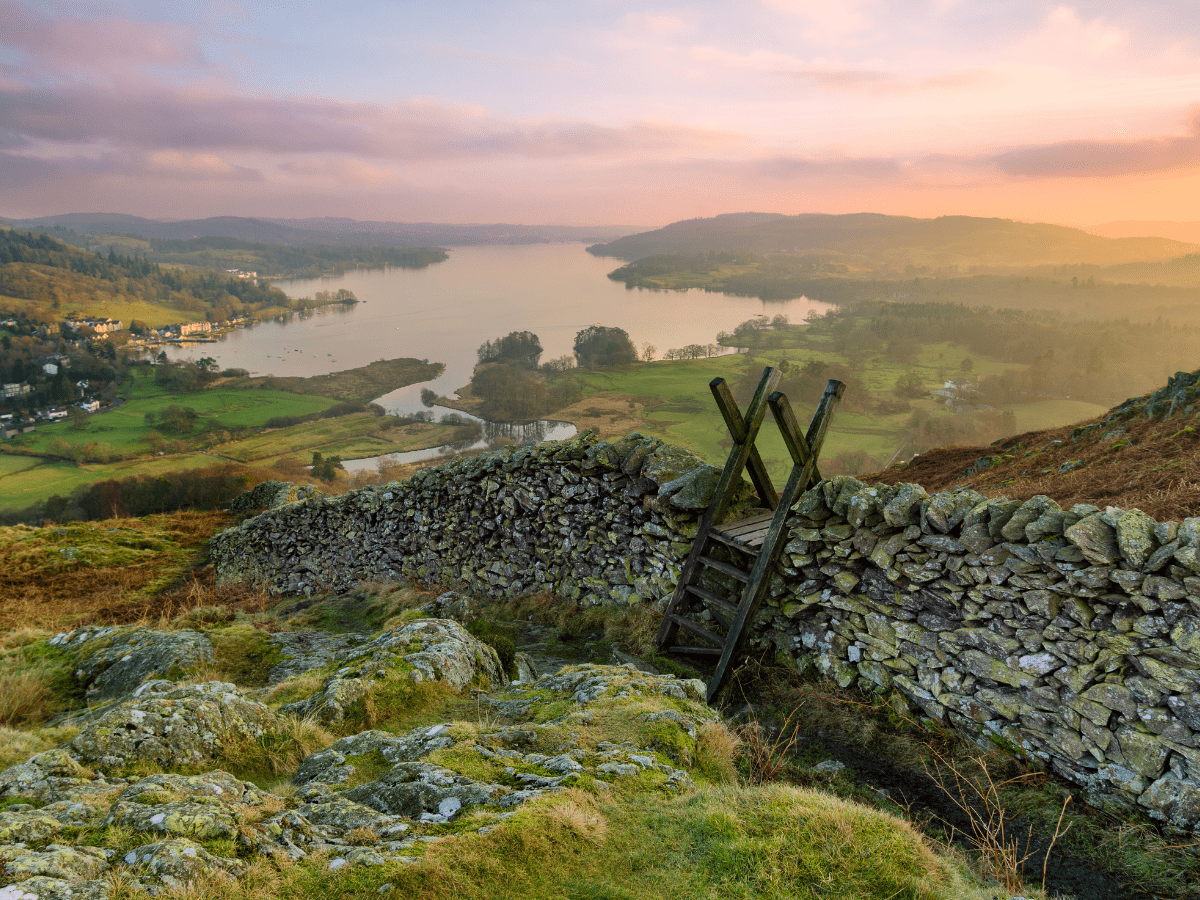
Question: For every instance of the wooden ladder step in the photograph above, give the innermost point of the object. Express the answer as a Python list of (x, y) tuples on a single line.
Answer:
[(734, 543), (698, 630), (694, 651), (746, 534), (731, 570), (709, 597)]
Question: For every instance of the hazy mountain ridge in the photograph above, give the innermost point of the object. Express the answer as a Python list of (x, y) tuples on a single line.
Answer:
[(1178, 231), (946, 240), (321, 230)]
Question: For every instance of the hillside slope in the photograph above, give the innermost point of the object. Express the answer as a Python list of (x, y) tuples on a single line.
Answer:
[(1144, 453)]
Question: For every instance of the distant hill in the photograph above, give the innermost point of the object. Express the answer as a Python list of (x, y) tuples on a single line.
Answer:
[(44, 280), (1176, 231), (320, 231), (893, 240)]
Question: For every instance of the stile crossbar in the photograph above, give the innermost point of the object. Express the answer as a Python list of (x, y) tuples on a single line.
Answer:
[(754, 542)]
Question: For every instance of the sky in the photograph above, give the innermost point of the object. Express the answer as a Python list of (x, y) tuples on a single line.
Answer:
[(600, 111)]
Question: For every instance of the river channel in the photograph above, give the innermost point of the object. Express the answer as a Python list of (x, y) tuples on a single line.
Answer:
[(443, 313)]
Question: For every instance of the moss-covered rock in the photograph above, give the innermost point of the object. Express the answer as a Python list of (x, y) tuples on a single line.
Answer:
[(112, 663), (186, 727)]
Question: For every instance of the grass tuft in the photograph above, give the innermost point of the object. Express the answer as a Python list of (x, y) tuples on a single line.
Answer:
[(276, 754)]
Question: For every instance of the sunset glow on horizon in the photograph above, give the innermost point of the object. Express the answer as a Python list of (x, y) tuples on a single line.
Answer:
[(600, 111)]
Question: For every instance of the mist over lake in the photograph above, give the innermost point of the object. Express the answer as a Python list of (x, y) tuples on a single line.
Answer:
[(445, 312)]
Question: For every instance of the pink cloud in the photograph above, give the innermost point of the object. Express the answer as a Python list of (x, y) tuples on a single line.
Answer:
[(846, 79), (198, 119), (195, 167), (1105, 158), (110, 47)]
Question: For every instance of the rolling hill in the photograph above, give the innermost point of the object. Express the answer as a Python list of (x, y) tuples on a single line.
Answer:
[(895, 240)]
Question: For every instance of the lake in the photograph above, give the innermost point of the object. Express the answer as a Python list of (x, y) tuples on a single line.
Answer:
[(445, 312)]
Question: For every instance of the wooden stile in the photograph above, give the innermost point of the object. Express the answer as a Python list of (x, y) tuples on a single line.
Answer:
[(759, 537)]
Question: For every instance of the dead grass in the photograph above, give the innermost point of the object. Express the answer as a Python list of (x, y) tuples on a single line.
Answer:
[(1154, 467), (1003, 851), (113, 571), (26, 692), (717, 750), (578, 813), (766, 756), (609, 415), (18, 744), (275, 754)]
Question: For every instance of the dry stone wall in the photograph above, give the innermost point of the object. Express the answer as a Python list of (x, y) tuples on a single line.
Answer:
[(1071, 637), (586, 519)]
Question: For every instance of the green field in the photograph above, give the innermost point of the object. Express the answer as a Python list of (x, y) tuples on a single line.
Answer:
[(349, 437), (154, 314), (46, 478), (680, 409), (124, 429), (679, 406)]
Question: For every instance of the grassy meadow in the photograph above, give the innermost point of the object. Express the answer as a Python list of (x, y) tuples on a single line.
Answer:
[(671, 399), (102, 306), (124, 428), (231, 426)]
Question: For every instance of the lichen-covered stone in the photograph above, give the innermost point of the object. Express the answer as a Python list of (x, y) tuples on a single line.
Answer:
[(304, 651), (68, 863), (179, 863), (47, 777), (338, 814), (43, 887), (418, 788), (1135, 537), (202, 807), (112, 663), (1174, 801), (27, 827), (183, 727), (905, 507), (333, 766), (425, 650), (1096, 538)]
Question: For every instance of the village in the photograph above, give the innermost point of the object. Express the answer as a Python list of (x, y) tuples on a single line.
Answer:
[(57, 373)]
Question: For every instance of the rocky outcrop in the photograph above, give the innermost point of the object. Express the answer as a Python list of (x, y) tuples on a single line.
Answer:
[(181, 726), (369, 798), (111, 663), (425, 650), (270, 494), (591, 520)]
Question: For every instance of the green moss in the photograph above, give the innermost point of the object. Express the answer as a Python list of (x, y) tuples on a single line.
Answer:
[(367, 767), (396, 704), (244, 655), (467, 762), (668, 738), (499, 638)]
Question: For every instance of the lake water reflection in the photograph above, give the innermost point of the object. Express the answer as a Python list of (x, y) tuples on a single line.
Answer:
[(445, 312)]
